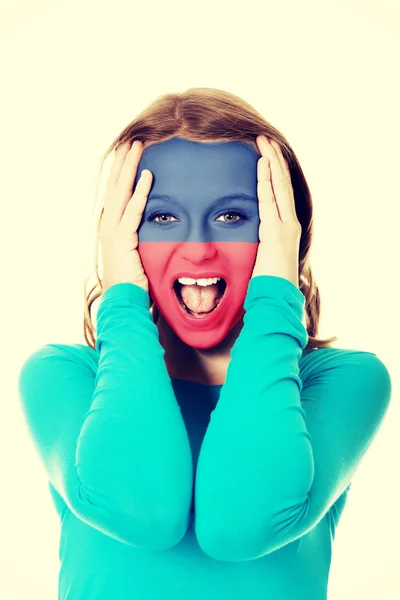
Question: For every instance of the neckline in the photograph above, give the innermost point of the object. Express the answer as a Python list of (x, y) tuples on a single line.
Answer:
[(208, 385), (219, 385)]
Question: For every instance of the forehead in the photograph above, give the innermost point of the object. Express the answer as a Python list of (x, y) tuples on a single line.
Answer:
[(182, 162)]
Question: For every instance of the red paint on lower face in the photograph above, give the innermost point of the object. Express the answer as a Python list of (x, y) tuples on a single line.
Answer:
[(233, 262)]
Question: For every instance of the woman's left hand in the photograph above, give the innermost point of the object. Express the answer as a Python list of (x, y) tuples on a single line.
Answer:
[(279, 230)]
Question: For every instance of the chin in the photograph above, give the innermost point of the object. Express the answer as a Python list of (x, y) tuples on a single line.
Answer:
[(207, 340)]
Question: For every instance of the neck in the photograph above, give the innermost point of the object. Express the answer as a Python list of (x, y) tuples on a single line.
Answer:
[(185, 362)]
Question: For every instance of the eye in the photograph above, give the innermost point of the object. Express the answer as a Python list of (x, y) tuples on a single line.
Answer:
[(157, 214), (238, 214), (154, 215)]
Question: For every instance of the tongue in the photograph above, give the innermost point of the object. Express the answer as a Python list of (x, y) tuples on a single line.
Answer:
[(200, 299)]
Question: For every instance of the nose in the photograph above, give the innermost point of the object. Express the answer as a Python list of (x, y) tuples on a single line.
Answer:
[(197, 253), (198, 228)]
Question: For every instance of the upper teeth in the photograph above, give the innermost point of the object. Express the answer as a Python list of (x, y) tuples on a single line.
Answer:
[(190, 281)]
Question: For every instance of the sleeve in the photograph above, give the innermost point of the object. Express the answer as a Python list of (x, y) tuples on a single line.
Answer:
[(278, 452), (113, 442)]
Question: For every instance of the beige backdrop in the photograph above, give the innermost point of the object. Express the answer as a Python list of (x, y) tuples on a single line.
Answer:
[(73, 75)]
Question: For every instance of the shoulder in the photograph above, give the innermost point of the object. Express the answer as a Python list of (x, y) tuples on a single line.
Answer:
[(344, 363), (54, 355)]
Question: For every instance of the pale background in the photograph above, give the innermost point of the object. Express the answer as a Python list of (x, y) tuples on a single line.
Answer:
[(73, 75)]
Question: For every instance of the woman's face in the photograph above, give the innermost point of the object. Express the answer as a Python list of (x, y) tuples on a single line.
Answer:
[(206, 197)]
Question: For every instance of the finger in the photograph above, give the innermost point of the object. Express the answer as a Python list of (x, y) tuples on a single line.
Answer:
[(108, 210), (282, 180), (129, 168), (119, 194), (267, 205), (119, 157), (134, 209)]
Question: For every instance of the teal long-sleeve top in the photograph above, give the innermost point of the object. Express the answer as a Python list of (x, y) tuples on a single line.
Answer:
[(171, 489)]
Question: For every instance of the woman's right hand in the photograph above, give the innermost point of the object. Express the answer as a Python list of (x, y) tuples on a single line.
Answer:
[(121, 218)]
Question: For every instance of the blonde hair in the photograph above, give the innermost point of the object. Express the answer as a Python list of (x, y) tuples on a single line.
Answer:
[(211, 115)]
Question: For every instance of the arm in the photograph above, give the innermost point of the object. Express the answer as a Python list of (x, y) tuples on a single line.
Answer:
[(112, 438), (279, 450)]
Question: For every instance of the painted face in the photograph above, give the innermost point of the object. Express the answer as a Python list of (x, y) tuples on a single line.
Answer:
[(201, 220)]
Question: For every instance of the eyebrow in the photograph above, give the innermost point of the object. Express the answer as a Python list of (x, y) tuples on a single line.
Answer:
[(222, 200)]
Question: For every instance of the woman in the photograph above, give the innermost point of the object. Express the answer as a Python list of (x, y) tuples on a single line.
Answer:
[(200, 447)]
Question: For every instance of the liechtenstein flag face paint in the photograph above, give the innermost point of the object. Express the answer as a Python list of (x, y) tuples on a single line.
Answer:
[(201, 221)]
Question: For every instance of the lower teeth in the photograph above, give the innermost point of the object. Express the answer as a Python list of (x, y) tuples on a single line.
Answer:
[(193, 313)]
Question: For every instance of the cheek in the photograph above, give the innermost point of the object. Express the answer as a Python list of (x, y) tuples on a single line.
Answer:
[(153, 256), (242, 256)]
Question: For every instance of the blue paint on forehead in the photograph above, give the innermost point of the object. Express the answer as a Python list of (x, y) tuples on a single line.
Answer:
[(194, 176)]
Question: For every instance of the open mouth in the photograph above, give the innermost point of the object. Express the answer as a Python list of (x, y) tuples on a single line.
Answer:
[(177, 289)]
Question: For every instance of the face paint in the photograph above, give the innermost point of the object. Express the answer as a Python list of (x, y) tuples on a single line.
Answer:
[(205, 195)]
